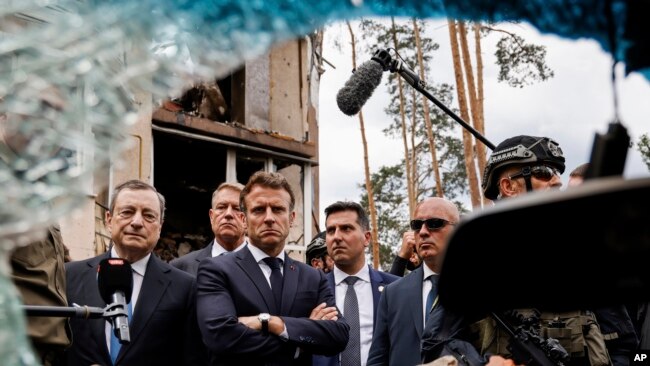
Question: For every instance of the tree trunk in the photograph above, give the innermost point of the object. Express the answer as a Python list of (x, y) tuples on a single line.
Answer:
[(471, 89), (414, 151), (371, 199), (427, 115), (479, 124), (411, 168), (462, 104)]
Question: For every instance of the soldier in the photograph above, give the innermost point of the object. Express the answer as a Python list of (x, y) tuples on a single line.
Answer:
[(519, 165), (317, 256)]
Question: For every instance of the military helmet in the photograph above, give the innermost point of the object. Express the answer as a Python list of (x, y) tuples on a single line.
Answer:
[(316, 247), (520, 150)]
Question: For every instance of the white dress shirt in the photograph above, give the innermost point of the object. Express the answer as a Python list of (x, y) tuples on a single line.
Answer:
[(217, 249), (363, 288), (258, 254)]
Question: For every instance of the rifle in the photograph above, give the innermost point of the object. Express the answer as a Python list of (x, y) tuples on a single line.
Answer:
[(529, 348)]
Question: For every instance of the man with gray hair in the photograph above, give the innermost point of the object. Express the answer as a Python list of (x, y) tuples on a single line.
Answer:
[(228, 225), (162, 311)]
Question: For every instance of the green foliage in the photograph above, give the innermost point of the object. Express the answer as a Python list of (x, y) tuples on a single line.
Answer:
[(521, 63), (644, 148), (389, 183), (378, 34), (392, 209)]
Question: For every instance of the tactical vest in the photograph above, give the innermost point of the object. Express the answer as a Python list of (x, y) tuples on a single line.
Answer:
[(577, 331)]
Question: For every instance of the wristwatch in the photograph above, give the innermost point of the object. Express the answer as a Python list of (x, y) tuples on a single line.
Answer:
[(264, 319)]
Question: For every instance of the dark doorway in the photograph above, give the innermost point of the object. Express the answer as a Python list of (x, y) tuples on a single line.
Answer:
[(186, 172)]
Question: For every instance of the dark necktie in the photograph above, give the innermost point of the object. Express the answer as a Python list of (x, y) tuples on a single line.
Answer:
[(351, 356), (432, 296), (276, 278)]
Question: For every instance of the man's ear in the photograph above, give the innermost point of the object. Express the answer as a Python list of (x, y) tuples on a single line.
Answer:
[(107, 221), (243, 221), (508, 187)]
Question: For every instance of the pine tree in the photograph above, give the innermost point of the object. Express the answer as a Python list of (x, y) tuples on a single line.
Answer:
[(519, 64), (408, 117)]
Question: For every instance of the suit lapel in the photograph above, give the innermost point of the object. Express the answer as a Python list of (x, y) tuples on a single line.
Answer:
[(98, 327), (154, 285), (247, 262), (205, 252), (414, 282), (290, 276), (376, 281), (330, 281)]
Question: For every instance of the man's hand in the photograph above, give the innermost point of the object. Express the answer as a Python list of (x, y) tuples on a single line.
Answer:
[(276, 324), (322, 312), (407, 250), (500, 361), (251, 321)]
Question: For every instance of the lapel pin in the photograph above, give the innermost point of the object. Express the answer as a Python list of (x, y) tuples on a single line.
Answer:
[(380, 288), (292, 267)]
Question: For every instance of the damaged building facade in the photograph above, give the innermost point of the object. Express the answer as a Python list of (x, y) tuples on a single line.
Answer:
[(263, 116)]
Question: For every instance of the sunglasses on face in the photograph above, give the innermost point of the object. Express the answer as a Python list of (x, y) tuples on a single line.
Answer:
[(541, 172), (433, 224)]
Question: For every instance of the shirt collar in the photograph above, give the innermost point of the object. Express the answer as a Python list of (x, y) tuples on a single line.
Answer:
[(258, 254), (427, 271), (139, 267), (217, 249), (363, 274)]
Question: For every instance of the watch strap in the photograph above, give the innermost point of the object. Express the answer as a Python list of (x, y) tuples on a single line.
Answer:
[(265, 325)]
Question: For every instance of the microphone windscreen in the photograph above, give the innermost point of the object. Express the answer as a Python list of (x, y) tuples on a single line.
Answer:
[(359, 87), (113, 275)]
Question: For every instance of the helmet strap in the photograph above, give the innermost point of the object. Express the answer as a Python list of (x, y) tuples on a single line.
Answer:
[(526, 172), (529, 184)]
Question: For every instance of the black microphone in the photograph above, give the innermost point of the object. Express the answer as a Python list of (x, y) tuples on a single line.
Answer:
[(115, 282), (367, 77), (363, 82)]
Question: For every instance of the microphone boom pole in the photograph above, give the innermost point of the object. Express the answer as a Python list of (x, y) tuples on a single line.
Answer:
[(385, 59), (86, 312)]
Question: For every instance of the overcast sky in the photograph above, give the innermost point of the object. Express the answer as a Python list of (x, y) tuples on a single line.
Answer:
[(571, 107)]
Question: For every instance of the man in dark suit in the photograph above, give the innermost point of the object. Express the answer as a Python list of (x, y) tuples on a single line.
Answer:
[(228, 225), (347, 236), (259, 306), (405, 304), (163, 324)]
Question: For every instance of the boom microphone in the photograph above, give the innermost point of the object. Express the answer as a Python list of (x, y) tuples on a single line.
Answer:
[(366, 79), (359, 87), (115, 282)]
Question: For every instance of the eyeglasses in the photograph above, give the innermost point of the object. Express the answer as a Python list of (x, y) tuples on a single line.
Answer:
[(541, 172), (433, 224)]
